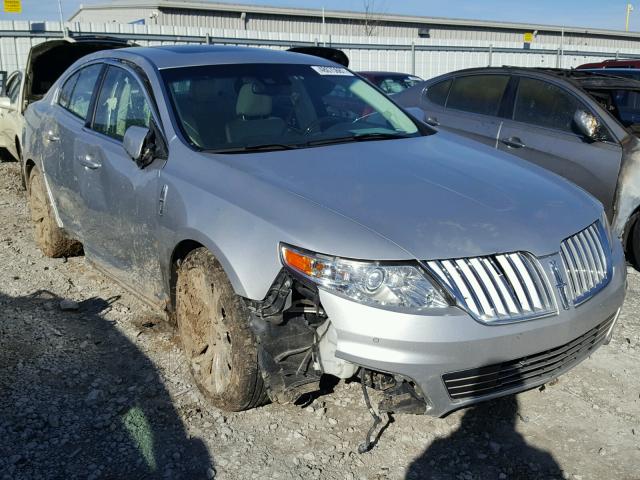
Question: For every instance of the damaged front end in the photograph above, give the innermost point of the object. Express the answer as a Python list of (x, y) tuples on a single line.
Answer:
[(627, 198), (297, 346)]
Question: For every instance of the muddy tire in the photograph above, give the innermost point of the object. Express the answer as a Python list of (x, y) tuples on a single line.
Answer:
[(50, 238), (218, 343)]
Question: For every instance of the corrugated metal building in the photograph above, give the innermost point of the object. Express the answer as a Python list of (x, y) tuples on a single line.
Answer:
[(343, 23)]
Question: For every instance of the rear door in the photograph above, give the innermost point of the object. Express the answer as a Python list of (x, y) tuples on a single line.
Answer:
[(120, 200), (62, 131), (467, 105), (541, 130)]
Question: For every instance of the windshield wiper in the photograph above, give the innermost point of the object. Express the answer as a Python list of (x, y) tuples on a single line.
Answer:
[(268, 147), (362, 137)]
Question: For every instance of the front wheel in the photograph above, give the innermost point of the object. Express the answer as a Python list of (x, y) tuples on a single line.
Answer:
[(217, 340)]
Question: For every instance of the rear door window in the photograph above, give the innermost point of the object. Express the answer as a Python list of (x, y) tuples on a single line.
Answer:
[(478, 93), (67, 90), (546, 105), (121, 104), (438, 93), (80, 97)]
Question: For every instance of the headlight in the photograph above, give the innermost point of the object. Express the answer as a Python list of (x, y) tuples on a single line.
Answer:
[(403, 287)]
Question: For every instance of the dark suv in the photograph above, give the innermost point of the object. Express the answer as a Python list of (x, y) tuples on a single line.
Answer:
[(579, 124)]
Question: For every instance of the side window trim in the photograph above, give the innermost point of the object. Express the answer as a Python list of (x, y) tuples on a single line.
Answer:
[(93, 93), (504, 74), (425, 92), (508, 102), (566, 91), (155, 117)]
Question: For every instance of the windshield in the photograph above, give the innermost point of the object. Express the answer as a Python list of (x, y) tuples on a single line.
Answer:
[(624, 104), (396, 83), (228, 108)]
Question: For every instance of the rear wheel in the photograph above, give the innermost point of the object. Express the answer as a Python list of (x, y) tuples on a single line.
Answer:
[(217, 340), (50, 238)]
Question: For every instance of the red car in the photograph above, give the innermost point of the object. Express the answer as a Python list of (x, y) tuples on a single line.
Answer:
[(623, 63)]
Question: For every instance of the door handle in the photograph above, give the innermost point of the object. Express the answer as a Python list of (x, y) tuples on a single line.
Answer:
[(513, 142), (433, 121), (89, 162), (52, 137)]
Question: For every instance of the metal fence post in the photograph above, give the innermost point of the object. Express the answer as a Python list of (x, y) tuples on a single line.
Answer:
[(490, 54), (413, 58)]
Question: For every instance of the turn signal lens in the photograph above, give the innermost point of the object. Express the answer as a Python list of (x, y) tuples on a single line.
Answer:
[(303, 263)]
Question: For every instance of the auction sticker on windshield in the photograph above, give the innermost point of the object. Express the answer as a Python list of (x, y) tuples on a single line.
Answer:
[(332, 71)]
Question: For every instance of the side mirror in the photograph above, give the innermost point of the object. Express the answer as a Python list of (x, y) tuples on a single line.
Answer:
[(137, 144), (588, 125)]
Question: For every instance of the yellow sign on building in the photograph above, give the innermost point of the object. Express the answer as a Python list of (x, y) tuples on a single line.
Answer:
[(13, 6), (528, 37)]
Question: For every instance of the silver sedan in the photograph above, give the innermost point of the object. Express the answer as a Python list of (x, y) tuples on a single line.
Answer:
[(295, 222)]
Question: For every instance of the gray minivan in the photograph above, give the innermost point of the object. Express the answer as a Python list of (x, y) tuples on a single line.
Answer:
[(568, 121)]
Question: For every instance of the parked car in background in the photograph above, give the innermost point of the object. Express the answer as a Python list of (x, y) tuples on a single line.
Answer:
[(612, 63), (577, 124), (391, 82), (292, 240), (11, 120), (45, 63)]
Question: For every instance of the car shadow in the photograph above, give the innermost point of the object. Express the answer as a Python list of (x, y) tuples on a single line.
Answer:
[(486, 446), (78, 399)]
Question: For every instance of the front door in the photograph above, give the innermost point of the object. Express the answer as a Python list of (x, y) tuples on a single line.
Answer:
[(120, 198), (542, 131)]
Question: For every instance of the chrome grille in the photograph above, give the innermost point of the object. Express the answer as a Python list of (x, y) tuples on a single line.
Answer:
[(586, 262), (491, 379), (498, 288)]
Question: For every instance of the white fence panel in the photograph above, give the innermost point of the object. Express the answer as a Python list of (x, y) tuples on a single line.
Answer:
[(426, 57)]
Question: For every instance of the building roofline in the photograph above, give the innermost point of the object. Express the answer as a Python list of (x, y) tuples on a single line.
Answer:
[(351, 15)]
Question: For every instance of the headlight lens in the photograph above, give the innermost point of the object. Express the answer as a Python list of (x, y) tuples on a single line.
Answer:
[(402, 287)]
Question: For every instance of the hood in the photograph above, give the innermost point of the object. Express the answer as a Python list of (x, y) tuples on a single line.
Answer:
[(435, 197), (48, 60)]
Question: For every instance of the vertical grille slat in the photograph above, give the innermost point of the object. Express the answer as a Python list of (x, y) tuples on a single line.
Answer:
[(474, 287), (582, 280), (515, 281), (587, 265), (497, 288)]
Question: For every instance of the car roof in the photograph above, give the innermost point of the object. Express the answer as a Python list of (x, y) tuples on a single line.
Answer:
[(582, 78), (172, 56), (398, 74)]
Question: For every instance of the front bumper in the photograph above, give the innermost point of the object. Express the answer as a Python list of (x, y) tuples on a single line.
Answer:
[(424, 348)]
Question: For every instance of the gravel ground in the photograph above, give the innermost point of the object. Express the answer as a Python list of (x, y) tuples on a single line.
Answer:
[(93, 386)]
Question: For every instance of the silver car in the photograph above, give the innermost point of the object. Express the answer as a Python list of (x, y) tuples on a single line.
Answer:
[(295, 222)]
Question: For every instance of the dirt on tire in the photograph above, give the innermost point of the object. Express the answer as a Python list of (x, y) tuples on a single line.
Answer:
[(50, 238), (217, 340)]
